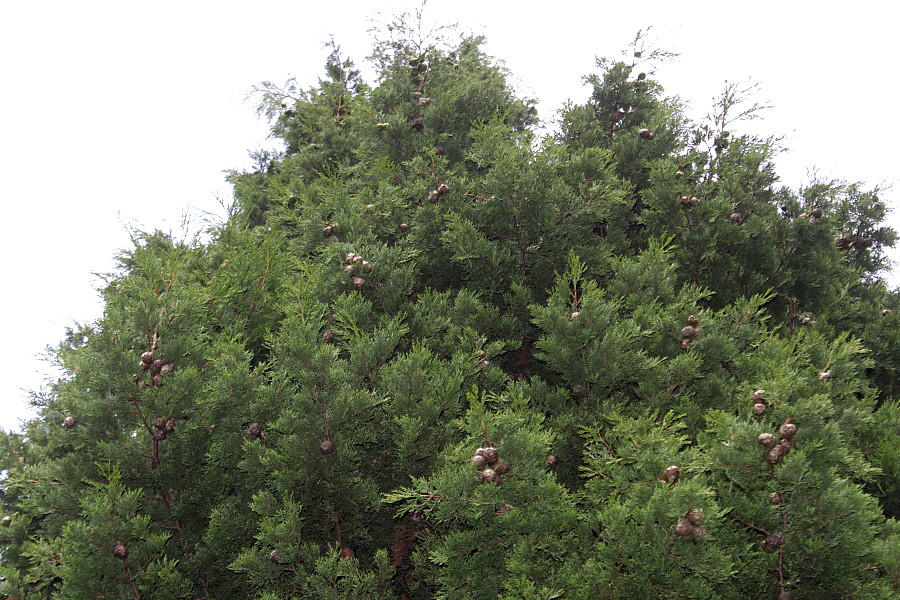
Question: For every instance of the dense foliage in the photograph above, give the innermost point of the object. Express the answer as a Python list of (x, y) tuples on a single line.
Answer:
[(431, 355)]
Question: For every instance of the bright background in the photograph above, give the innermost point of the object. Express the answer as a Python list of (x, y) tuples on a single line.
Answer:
[(123, 115)]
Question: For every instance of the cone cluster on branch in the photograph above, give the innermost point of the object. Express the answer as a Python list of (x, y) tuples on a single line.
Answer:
[(162, 428), (353, 264), (691, 524), (156, 368), (759, 404), (780, 446), (492, 468), (435, 194)]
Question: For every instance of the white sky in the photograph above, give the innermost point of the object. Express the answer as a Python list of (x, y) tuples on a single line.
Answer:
[(115, 114)]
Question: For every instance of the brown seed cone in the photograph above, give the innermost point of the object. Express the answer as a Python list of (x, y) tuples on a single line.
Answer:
[(776, 498), (824, 376), (684, 528), (443, 189), (170, 426), (120, 551), (775, 455), (816, 213), (326, 447), (273, 556), (491, 476), (693, 321), (147, 357), (671, 475), (695, 516), (552, 461), (735, 217), (359, 283), (404, 227), (159, 423), (886, 312), (574, 315), (156, 366), (767, 439), (479, 462), (688, 332), (255, 430), (843, 242), (758, 395), (159, 434), (156, 380), (491, 455), (328, 336), (166, 369), (788, 444), (433, 196), (327, 231), (788, 430), (68, 423), (502, 467), (645, 134), (759, 409), (772, 543), (579, 391), (143, 366)]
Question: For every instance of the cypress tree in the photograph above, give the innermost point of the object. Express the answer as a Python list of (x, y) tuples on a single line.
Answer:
[(431, 355)]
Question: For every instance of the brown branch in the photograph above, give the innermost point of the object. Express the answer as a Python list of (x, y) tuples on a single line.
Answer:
[(749, 525), (137, 594)]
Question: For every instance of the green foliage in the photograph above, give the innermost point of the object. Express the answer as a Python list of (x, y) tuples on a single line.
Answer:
[(429, 355)]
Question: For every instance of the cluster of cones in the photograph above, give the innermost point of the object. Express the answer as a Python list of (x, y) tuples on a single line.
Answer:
[(491, 468), (691, 524), (157, 368), (352, 262), (779, 447), (162, 428)]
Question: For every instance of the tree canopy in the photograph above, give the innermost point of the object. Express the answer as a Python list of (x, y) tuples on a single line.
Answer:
[(433, 354)]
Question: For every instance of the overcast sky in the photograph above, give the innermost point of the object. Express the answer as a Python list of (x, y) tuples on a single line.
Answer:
[(118, 115)]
